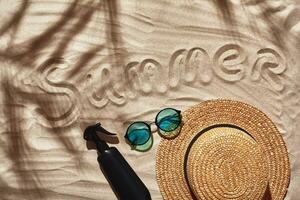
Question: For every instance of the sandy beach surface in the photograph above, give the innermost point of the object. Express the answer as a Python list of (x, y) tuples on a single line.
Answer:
[(66, 64)]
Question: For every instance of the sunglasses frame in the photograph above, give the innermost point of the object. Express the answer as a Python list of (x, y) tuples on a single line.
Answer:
[(156, 123), (149, 135), (148, 125)]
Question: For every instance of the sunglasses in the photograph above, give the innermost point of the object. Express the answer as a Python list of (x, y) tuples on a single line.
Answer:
[(167, 121)]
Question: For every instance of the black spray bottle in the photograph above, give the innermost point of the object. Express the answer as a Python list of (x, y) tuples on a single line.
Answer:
[(121, 177)]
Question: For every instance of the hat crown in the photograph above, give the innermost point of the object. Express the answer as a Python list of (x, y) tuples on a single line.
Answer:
[(226, 163)]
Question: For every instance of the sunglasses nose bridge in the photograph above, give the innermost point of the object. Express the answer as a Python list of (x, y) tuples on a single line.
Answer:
[(153, 126)]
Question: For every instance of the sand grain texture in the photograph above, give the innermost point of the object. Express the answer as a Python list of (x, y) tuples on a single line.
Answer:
[(66, 64)]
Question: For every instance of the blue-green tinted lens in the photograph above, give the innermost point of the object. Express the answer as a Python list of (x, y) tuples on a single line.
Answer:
[(138, 133), (168, 119)]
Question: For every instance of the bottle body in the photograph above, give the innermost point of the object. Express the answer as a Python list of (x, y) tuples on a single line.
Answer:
[(123, 180)]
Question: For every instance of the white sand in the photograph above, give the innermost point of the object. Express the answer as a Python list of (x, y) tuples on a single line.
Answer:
[(64, 66)]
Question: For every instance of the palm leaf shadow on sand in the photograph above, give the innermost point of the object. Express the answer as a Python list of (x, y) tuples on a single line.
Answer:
[(79, 14), (226, 13), (18, 150)]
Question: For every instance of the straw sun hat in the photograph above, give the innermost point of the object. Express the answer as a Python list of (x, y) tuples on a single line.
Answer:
[(225, 150)]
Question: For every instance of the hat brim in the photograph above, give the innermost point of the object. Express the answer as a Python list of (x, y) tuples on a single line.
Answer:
[(171, 153)]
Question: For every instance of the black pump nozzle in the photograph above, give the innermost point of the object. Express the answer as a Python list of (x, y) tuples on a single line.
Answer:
[(90, 134)]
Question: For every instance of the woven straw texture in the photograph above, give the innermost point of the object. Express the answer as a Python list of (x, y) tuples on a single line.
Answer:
[(223, 162)]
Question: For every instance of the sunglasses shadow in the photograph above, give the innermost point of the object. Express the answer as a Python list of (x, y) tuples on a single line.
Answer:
[(142, 148), (172, 134)]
